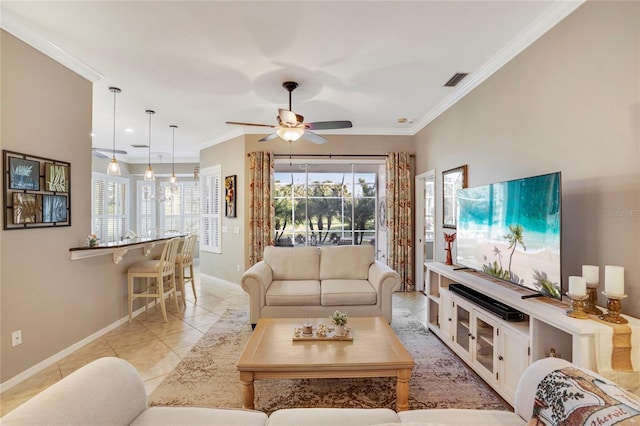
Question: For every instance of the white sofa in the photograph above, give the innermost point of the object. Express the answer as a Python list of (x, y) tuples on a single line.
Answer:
[(110, 391), (314, 282)]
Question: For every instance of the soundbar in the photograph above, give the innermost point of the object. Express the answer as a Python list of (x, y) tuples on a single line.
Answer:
[(497, 308)]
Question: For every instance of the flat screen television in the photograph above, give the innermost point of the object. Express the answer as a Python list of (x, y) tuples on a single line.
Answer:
[(511, 231)]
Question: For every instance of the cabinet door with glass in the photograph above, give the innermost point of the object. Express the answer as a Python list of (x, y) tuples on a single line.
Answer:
[(462, 328), (484, 338)]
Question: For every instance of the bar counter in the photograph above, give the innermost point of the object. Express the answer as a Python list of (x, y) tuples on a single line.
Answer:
[(119, 248)]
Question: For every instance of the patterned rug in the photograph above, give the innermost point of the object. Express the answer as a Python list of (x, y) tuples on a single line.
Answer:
[(208, 377)]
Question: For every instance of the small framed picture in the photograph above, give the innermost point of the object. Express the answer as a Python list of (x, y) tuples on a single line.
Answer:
[(24, 174), (26, 208), (56, 177), (54, 208), (230, 196)]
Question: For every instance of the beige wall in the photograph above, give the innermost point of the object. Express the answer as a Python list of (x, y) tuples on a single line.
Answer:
[(56, 302), (229, 264), (569, 103)]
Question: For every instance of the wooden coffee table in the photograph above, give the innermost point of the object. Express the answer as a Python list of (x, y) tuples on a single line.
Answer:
[(375, 351)]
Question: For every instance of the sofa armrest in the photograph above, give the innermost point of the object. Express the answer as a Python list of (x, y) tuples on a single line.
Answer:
[(108, 391), (255, 281), (528, 384), (385, 280)]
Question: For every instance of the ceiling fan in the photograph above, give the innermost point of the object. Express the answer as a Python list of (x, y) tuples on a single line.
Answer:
[(106, 152), (291, 126)]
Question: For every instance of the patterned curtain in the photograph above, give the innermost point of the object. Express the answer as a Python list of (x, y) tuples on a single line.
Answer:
[(399, 217), (261, 208)]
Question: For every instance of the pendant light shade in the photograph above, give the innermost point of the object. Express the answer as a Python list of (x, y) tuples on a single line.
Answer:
[(148, 175), (114, 168), (172, 179)]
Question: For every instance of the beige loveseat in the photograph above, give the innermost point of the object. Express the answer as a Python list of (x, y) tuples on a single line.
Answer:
[(110, 391), (314, 282)]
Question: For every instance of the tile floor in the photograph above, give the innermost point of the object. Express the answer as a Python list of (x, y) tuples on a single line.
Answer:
[(155, 347)]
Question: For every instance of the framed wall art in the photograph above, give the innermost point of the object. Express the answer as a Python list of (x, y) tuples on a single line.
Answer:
[(37, 191), (230, 196), (452, 180)]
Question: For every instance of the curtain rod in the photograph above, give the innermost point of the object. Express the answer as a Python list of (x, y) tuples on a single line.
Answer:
[(334, 155)]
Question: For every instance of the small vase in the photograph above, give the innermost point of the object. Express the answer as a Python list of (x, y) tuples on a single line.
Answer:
[(339, 331)]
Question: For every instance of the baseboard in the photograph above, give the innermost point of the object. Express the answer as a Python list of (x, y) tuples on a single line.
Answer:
[(220, 281), (31, 371)]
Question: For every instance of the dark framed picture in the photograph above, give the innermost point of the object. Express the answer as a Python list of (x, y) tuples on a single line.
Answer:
[(56, 177), (36, 193), (54, 208), (452, 180), (26, 208), (230, 196), (24, 174)]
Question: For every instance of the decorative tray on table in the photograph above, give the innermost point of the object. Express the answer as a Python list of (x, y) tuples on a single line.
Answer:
[(322, 335)]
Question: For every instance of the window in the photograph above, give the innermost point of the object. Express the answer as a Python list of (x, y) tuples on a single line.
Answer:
[(323, 204), (110, 209), (146, 214), (211, 209), (181, 210)]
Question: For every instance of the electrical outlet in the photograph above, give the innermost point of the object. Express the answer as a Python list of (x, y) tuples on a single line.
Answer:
[(238, 267), (16, 338)]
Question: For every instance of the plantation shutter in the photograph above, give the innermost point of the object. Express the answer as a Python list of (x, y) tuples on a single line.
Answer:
[(110, 207), (146, 217), (211, 206)]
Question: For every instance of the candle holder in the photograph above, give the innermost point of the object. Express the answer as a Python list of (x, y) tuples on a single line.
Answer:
[(577, 306), (592, 299), (613, 308)]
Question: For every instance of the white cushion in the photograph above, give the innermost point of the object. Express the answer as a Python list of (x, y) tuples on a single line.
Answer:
[(347, 292), (346, 262), (297, 263), (170, 416), (460, 416), (332, 416), (293, 293)]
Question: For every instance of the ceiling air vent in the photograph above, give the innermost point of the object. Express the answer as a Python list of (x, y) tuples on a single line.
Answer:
[(457, 78), (140, 146)]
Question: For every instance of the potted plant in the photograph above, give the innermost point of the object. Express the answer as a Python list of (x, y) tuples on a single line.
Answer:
[(339, 319)]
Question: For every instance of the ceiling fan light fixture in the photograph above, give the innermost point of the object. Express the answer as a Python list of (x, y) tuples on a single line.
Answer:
[(114, 168), (290, 134)]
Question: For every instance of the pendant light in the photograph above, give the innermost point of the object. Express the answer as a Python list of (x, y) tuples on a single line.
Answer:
[(114, 168), (148, 175), (172, 179)]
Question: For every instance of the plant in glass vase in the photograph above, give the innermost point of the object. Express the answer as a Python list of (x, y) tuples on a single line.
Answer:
[(339, 319)]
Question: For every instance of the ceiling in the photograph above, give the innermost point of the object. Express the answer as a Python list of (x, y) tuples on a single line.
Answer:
[(201, 63)]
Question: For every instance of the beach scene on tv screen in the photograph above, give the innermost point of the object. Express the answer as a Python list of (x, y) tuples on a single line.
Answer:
[(511, 231)]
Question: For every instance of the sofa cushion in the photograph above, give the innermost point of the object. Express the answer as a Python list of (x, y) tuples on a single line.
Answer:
[(347, 292), (460, 416), (297, 263), (349, 262), (169, 416), (293, 293), (332, 416)]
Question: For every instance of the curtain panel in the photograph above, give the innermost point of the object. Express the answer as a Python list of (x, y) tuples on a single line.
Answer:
[(261, 208), (399, 217)]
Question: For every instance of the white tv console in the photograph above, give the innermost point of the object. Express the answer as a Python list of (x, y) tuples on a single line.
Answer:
[(499, 350)]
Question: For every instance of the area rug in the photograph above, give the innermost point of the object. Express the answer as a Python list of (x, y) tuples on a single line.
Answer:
[(208, 377)]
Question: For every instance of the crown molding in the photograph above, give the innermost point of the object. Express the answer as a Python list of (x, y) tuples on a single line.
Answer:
[(14, 26), (556, 13)]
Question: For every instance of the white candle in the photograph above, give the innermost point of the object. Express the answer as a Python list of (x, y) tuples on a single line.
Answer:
[(614, 280), (577, 286), (591, 273)]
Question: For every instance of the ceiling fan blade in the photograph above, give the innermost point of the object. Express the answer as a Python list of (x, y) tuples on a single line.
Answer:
[(269, 137), (99, 154), (289, 118), (326, 125), (312, 137), (249, 124)]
